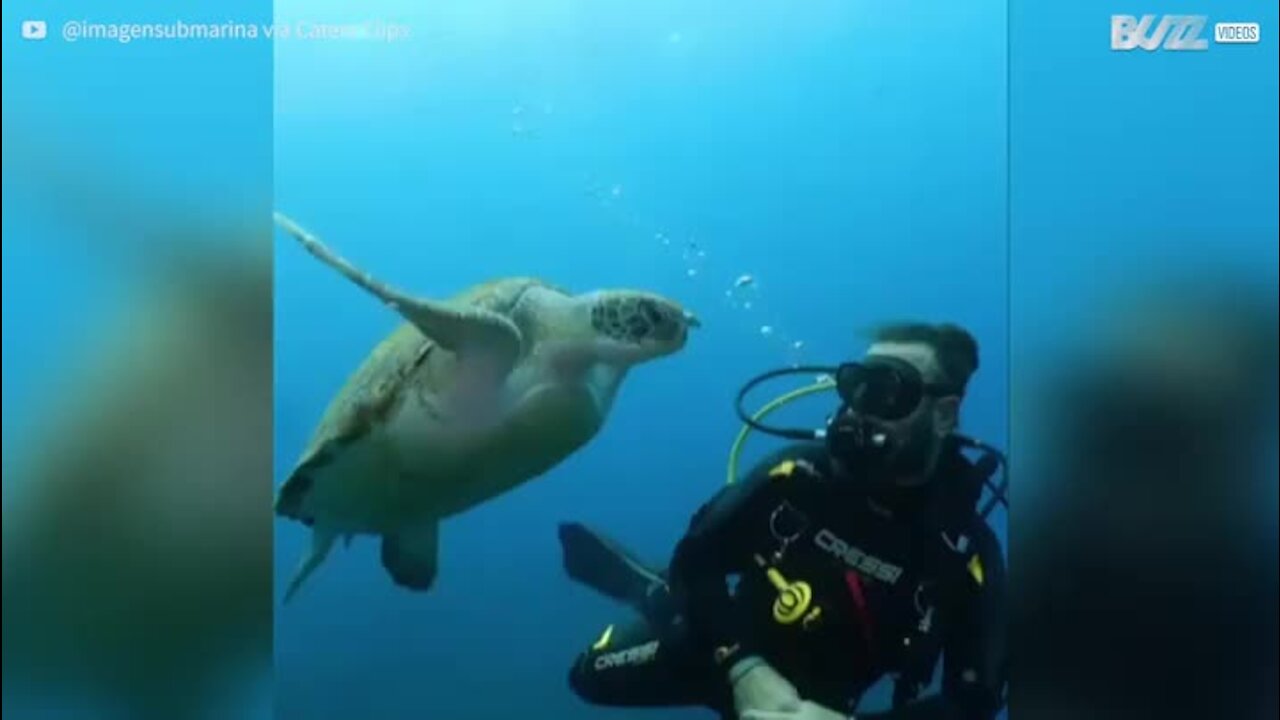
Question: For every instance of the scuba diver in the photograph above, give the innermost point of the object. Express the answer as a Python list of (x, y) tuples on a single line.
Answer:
[(854, 553)]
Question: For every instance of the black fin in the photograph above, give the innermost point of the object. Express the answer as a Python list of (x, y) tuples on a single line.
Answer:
[(606, 567)]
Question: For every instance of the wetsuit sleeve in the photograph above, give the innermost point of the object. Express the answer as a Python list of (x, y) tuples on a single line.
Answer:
[(975, 658), (718, 544)]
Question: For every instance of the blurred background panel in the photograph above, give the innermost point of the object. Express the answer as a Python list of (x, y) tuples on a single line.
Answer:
[(1143, 315), (136, 367)]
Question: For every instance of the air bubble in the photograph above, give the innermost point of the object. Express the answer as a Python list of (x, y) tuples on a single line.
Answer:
[(694, 257), (766, 330), (744, 291)]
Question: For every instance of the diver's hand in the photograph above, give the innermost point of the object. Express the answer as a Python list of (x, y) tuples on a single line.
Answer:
[(757, 687), (805, 711)]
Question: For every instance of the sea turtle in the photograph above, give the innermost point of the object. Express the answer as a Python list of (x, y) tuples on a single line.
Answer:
[(469, 398)]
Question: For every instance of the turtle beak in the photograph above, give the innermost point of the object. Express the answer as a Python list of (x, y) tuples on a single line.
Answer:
[(691, 320)]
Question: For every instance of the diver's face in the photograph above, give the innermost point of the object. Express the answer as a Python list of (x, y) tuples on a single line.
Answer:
[(918, 436)]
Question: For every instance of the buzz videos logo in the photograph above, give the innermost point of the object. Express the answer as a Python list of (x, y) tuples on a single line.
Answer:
[(34, 30), (1176, 32)]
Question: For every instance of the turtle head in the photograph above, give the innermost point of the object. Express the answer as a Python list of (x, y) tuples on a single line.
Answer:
[(633, 326)]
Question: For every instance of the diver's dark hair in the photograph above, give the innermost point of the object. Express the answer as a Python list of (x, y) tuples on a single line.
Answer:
[(955, 347)]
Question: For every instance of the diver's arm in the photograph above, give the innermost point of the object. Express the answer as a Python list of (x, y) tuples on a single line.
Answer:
[(975, 660), (975, 655), (715, 546)]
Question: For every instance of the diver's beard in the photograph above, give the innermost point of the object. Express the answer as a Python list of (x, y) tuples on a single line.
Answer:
[(913, 462), (906, 458)]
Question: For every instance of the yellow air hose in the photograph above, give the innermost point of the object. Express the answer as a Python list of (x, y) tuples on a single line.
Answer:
[(794, 598), (736, 449)]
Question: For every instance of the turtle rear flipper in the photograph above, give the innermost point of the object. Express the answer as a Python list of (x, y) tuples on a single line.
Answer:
[(292, 497), (411, 555), (296, 500), (321, 544)]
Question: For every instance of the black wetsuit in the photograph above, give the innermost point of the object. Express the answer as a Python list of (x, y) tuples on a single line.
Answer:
[(891, 591)]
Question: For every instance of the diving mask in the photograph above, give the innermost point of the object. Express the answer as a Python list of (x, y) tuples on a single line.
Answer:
[(885, 387)]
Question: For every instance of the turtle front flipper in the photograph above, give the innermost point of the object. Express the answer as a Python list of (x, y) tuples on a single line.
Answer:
[(411, 555), (486, 342)]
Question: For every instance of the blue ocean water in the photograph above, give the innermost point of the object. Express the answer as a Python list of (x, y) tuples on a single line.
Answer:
[(850, 157), (988, 164)]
